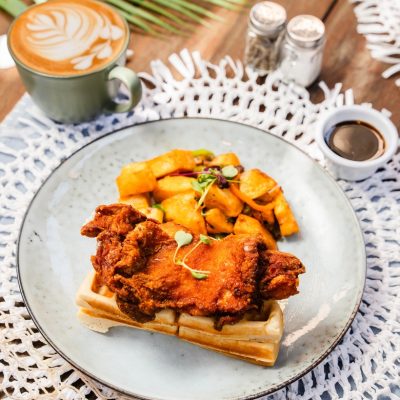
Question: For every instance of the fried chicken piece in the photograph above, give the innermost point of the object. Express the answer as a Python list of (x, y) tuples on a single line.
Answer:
[(135, 259), (116, 218), (280, 278)]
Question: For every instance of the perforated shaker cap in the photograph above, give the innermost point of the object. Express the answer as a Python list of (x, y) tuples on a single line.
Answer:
[(306, 30), (267, 17)]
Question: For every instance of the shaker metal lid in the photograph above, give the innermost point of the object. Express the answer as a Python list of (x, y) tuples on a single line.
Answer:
[(267, 17), (306, 30)]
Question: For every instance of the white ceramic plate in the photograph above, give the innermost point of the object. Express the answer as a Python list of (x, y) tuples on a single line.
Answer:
[(54, 258)]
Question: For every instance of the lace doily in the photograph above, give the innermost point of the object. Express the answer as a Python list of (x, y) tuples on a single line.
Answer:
[(365, 364), (379, 22)]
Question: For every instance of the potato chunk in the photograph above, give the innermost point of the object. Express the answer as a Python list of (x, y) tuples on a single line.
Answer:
[(283, 213), (246, 224), (135, 178), (181, 209), (226, 159), (137, 201), (173, 161), (172, 185), (217, 222), (225, 200), (153, 213), (255, 183)]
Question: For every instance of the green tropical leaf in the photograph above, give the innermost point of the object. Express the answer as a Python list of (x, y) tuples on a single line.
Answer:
[(139, 12), (197, 9), (155, 16), (12, 7), (154, 7), (184, 11)]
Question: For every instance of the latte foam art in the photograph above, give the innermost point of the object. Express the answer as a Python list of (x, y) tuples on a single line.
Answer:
[(68, 31), (70, 35)]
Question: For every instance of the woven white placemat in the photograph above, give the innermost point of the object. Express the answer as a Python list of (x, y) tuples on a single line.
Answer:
[(365, 364), (379, 22)]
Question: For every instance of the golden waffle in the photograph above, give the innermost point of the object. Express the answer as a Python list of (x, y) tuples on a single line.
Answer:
[(256, 338)]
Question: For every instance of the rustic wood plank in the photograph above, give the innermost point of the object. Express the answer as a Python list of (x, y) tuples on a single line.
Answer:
[(220, 39), (347, 60)]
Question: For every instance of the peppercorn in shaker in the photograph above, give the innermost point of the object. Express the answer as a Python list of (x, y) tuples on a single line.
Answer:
[(302, 50), (264, 36)]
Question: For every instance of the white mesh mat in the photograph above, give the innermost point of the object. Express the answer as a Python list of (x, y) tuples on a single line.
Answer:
[(365, 364), (379, 22)]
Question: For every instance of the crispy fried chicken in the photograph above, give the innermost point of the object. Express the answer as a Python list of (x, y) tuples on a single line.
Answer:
[(135, 259)]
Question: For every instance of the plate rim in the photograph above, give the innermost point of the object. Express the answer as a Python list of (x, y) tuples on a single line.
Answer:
[(264, 132)]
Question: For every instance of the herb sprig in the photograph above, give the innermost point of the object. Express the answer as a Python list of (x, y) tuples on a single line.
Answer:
[(183, 238), (210, 175)]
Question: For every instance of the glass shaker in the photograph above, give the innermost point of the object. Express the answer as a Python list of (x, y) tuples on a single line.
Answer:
[(302, 49), (264, 36)]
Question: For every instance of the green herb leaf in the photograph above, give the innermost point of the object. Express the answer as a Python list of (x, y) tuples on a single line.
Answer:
[(205, 192), (183, 238), (198, 274), (205, 239), (205, 178), (229, 171), (203, 152), (159, 206), (197, 186)]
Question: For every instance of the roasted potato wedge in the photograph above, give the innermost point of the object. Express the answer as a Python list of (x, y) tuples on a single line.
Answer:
[(283, 213), (255, 183), (173, 161), (153, 213), (135, 178), (217, 222), (181, 209), (225, 159), (246, 224), (172, 185), (266, 215), (225, 200), (137, 200)]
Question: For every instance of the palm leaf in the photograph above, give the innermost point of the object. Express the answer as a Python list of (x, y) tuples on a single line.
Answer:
[(142, 14), (195, 8), (182, 10), (154, 7), (155, 16), (12, 7)]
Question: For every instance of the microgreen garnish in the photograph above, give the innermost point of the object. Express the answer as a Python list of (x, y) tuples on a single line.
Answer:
[(183, 238), (159, 206), (205, 186), (205, 239), (229, 171), (210, 175), (197, 187), (199, 274)]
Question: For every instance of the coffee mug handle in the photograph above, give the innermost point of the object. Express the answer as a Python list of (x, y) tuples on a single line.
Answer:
[(132, 82)]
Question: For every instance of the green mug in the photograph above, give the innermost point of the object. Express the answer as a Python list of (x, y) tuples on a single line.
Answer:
[(79, 97)]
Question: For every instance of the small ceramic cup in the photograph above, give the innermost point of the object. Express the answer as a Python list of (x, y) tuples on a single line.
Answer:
[(348, 169), (80, 97)]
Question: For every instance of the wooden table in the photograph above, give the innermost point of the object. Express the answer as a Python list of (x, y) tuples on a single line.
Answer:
[(346, 58)]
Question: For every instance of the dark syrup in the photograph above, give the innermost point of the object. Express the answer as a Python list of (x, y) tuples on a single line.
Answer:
[(355, 140)]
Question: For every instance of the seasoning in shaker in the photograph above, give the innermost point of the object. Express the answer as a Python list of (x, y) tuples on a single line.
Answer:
[(302, 49), (264, 36)]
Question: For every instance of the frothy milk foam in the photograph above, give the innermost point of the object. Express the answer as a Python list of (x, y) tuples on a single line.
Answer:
[(68, 37)]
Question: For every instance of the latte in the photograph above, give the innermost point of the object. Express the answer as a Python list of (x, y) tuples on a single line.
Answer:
[(63, 38)]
